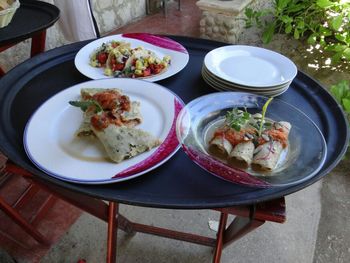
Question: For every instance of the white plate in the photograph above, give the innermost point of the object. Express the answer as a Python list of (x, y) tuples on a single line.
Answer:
[(161, 46), (258, 89), (250, 66), (51, 145), (224, 87)]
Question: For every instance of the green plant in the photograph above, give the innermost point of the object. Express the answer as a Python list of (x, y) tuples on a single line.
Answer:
[(322, 22), (341, 92)]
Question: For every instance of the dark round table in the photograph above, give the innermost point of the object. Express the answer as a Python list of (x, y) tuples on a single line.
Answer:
[(179, 183), (30, 18)]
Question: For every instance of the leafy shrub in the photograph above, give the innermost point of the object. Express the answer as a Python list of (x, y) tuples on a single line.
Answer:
[(341, 92), (322, 22)]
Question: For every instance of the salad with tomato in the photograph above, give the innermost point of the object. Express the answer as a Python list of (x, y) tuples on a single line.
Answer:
[(118, 59)]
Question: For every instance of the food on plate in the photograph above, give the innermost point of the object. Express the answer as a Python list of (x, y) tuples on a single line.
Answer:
[(112, 117), (100, 56), (5, 4), (249, 140), (234, 139), (270, 145), (116, 107), (122, 142), (118, 59)]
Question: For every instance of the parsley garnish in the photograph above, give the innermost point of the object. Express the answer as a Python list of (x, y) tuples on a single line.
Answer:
[(236, 118)]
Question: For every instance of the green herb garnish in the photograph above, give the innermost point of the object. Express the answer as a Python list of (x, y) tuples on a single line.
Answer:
[(127, 72), (236, 118), (84, 105), (264, 108)]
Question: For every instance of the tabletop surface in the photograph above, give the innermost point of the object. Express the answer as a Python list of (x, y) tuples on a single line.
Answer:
[(179, 183), (31, 17)]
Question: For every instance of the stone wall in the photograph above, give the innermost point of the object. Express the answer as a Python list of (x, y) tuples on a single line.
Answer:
[(109, 15), (223, 20), (112, 14)]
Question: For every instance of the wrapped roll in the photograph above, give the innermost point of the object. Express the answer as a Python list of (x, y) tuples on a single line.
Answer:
[(117, 61), (220, 146), (236, 147), (271, 144), (242, 154)]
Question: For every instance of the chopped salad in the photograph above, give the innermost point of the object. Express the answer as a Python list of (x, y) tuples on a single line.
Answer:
[(118, 59)]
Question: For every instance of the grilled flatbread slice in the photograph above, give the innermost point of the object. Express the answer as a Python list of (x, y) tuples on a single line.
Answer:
[(121, 142)]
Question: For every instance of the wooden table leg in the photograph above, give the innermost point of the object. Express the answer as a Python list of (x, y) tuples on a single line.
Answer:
[(247, 218), (239, 227), (38, 43), (37, 46), (112, 232), (220, 237), (2, 72)]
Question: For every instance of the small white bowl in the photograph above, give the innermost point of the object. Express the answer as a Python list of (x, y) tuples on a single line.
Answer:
[(7, 14)]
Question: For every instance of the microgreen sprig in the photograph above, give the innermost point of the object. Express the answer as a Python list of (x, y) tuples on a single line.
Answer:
[(264, 109), (236, 118)]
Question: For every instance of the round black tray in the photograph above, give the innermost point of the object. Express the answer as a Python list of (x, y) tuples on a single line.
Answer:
[(179, 183), (30, 18)]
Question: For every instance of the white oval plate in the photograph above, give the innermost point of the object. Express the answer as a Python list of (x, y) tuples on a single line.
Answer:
[(250, 66), (161, 46), (51, 144)]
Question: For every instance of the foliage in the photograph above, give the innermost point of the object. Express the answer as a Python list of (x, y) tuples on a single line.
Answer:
[(236, 118), (341, 92), (323, 22)]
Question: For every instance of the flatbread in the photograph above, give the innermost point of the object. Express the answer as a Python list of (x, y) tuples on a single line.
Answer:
[(122, 142)]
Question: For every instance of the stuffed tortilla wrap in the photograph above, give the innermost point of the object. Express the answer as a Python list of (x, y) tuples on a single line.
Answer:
[(271, 144)]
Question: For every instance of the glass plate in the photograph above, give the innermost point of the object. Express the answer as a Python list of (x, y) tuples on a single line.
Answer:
[(51, 144), (161, 46), (302, 159), (250, 66)]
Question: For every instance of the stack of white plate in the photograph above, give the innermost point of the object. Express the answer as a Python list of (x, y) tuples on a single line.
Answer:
[(248, 69)]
